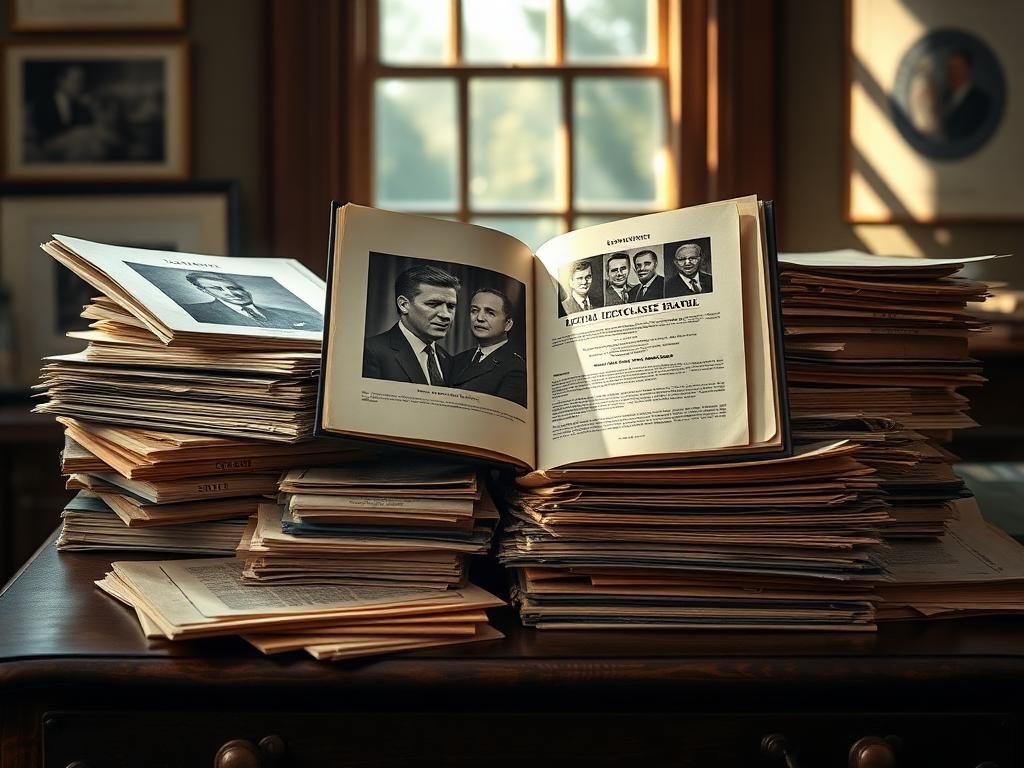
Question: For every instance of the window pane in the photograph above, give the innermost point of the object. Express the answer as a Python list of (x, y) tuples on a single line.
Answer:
[(532, 230), (515, 150), (580, 222), (615, 31), (414, 31), (619, 151), (415, 140), (506, 31)]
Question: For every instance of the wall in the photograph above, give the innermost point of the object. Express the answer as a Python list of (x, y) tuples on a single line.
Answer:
[(812, 134), (229, 100)]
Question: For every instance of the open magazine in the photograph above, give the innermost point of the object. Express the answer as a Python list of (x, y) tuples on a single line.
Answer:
[(651, 339)]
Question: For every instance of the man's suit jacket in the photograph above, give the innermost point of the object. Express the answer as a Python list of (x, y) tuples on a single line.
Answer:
[(655, 291), (611, 298), (215, 312), (389, 356), (676, 286), (502, 373), (570, 305)]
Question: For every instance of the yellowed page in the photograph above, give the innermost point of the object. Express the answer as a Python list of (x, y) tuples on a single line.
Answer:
[(371, 249), (650, 376)]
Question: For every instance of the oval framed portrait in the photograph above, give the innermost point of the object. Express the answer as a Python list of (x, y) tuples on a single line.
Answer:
[(949, 95)]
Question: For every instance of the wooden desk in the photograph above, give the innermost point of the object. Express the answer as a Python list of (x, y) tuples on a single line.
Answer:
[(78, 682)]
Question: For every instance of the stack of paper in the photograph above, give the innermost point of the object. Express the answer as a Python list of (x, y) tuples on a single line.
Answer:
[(150, 490), (204, 598), (786, 543), (189, 343), (876, 352), (386, 522), (975, 568)]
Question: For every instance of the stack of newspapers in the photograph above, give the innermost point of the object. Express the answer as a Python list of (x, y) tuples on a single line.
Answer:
[(876, 352), (773, 544), (184, 343), (195, 396), (388, 522), (184, 599), (146, 490)]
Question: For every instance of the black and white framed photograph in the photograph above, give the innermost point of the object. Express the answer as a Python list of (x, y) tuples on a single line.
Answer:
[(933, 125), (442, 324), (92, 111), (218, 298), (47, 299), (96, 15), (688, 267)]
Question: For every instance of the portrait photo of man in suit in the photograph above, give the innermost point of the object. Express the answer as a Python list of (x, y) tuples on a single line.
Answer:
[(651, 285), (492, 367), (692, 273), (616, 284), (232, 304), (579, 288), (410, 351)]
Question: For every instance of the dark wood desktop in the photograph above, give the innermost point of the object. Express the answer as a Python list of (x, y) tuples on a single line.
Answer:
[(80, 686)]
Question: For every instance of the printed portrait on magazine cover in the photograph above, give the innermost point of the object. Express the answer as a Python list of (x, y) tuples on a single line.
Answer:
[(443, 324), (251, 301), (688, 267)]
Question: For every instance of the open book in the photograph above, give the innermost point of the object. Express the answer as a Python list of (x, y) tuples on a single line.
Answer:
[(651, 339)]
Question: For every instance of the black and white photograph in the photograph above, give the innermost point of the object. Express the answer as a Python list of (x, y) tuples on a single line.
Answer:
[(688, 267), (248, 301), (619, 278), (579, 288), (932, 125), (81, 111), (445, 325)]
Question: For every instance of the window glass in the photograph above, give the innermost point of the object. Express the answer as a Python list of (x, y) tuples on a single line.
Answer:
[(414, 31)]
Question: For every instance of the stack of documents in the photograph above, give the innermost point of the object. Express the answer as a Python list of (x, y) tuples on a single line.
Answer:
[(149, 490), (876, 352), (189, 343), (974, 569), (388, 522), (880, 337), (184, 599), (785, 544)]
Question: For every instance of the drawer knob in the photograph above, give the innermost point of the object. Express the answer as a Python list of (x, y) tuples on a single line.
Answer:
[(872, 752), (238, 753), (241, 753), (776, 746)]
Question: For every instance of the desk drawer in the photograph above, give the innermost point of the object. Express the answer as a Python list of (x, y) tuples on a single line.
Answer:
[(169, 739)]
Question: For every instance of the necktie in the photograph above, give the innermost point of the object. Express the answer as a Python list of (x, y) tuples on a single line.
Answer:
[(586, 302), (624, 296), (695, 285), (252, 312), (433, 370), (643, 291), (478, 355)]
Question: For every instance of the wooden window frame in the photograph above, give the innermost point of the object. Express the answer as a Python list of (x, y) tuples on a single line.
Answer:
[(721, 113)]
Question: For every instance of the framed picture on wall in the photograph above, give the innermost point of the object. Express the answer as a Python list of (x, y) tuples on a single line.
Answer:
[(197, 217), (934, 127), (96, 15), (96, 111)]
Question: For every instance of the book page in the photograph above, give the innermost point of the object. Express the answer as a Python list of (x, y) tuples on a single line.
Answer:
[(633, 359), (269, 298), (412, 300)]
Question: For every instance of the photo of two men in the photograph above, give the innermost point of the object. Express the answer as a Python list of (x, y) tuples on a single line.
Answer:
[(445, 325)]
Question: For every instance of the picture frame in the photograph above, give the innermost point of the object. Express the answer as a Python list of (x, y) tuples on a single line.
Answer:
[(194, 217), (932, 131), (96, 15), (96, 110)]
